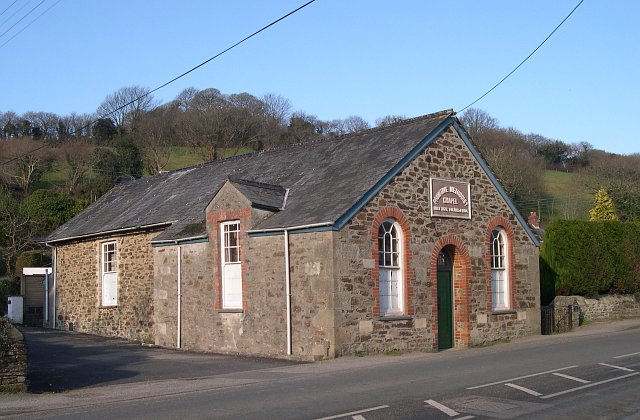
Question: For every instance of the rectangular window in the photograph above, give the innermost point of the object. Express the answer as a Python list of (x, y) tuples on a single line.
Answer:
[(109, 281), (498, 286), (389, 293), (231, 265)]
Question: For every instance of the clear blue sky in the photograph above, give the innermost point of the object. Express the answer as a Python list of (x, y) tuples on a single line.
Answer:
[(338, 58)]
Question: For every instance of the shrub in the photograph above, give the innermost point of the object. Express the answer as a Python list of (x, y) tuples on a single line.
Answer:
[(589, 258)]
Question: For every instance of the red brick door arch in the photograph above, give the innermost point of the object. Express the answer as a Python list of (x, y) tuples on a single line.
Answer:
[(461, 276)]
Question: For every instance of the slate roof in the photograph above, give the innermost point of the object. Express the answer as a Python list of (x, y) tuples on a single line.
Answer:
[(322, 182)]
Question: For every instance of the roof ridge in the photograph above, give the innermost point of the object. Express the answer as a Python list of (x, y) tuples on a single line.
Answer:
[(406, 121)]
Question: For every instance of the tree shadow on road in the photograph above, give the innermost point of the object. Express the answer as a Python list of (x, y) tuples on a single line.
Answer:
[(60, 362)]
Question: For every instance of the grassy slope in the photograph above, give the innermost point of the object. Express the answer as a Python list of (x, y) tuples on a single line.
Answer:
[(568, 196), (181, 157)]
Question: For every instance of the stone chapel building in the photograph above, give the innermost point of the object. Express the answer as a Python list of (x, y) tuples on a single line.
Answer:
[(394, 238)]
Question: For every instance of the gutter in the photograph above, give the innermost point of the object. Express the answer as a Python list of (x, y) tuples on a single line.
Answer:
[(109, 232), (177, 241), (289, 229)]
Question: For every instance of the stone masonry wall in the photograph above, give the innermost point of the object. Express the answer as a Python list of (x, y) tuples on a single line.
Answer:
[(78, 288), (312, 300), (13, 358), (360, 330), (260, 327), (601, 308)]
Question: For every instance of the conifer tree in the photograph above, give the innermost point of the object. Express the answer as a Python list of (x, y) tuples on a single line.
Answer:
[(603, 208)]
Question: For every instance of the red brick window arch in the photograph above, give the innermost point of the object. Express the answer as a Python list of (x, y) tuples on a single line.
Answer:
[(392, 291), (500, 266)]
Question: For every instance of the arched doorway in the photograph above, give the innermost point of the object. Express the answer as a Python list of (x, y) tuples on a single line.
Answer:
[(445, 299)]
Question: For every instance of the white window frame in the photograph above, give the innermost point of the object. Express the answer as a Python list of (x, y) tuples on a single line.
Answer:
[(391, 269), (500, 290), (230, 258), (109, 273)]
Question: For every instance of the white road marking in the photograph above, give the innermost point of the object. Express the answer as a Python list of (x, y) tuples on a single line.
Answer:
[(366, 410), (446, 410), (573, 378), (567, 391), (523, 377), (627, 355), (617, 367), (358, 417), (523, 389)]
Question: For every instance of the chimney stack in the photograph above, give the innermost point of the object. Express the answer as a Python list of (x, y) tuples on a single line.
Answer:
[(534, 220)]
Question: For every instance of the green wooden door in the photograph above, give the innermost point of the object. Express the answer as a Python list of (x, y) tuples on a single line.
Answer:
[(445, 310)]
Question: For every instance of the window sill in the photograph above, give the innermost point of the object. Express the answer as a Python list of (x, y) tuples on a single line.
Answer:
[(504, 312), (108, 306), (230, 311), (389, 318)]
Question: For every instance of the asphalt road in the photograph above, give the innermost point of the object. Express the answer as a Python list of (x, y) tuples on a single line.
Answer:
[(594, 373), (62, 361)]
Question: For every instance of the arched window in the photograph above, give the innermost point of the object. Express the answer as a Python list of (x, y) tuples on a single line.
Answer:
[(499, 270), (390, 270)]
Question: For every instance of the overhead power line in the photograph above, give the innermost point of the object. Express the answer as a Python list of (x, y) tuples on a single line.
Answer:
[(264, 28), (8, 7), (525, 60), (30, 23), (13, 14), (22, 18)]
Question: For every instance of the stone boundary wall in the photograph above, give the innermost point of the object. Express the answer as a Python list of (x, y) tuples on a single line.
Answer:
[(13, 359), (603, 307)]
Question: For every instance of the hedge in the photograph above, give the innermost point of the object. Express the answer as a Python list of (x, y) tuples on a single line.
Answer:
[(589, 258)]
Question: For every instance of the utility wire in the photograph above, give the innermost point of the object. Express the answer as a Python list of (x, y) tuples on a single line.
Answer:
[(8, 7), (22, 18), (14, 13), (264, 28), (30, 23), (525, 60)]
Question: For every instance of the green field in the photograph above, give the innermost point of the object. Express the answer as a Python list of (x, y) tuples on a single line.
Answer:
[(568, 196)]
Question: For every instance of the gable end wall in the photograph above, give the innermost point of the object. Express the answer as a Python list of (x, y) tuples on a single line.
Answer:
[(359, 329)]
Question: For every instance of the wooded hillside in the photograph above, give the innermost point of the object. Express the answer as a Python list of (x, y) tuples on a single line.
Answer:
[(51, 166)]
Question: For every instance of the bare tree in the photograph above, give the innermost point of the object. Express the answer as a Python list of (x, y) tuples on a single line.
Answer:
[(477, 121), (27, 164), (7, 123), (276, 108), (16, 230), (349, 125), (155, 135), (78, 125), (74, 161), (47, 123), (126, 106), (208, 99), (513, 162), (184, 98), (389, 120)]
